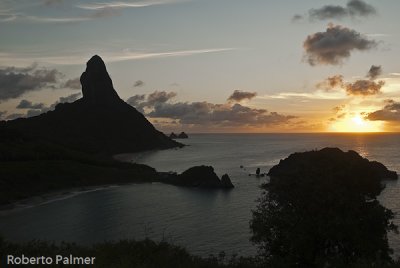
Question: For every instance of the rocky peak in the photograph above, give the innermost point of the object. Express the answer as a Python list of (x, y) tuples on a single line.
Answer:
[(97, 86)]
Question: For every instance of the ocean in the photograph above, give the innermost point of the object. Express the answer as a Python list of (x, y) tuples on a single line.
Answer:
[(204, 221)]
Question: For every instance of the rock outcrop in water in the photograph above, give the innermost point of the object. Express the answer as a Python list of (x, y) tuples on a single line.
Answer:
[(328, 162), (182, 135), (198, 176), (98, 122)]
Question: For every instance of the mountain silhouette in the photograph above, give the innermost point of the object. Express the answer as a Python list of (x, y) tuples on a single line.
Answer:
[(99, 122)]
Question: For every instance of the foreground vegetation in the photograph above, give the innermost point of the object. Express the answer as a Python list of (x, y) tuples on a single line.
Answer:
[(320, 209), (143, 254)]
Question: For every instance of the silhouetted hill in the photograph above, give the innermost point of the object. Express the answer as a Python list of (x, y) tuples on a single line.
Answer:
[(98, 122), (330, 161)]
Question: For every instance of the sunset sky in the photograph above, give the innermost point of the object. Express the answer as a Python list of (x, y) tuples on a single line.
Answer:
[(211, 65)]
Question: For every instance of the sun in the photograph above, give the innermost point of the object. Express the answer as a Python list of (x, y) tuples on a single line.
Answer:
[(355, 123), (358, 120)]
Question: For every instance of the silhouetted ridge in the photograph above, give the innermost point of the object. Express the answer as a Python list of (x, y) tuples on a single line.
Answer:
[(98, 122)]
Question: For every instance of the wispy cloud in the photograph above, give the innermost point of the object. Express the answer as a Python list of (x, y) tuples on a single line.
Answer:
[(81, 58), (125, 4), (316, 95), (94, 10), (52, 19)]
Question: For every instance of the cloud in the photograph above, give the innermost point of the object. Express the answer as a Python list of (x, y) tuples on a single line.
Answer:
[(7, 16), (124, 4), (224, 115), (158, 97), (136, 100), (138, 83), (374, 72), (14, 82), (91, 10), (238, 96), (25, 104), (338, 109), (360, 8), (70, 98), (364, 87), (37, 19), (328, 12), (390, 112), (110, 56), (206, 114), (361, 87), (37, 109), (331, 82), (316, 95), (73, 83), (334, 45), (353, 9), (297, 17), (15, 116)]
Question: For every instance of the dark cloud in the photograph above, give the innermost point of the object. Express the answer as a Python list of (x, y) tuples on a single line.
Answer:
[(159, 97), (391, 112), (223, 115), (37, 109), (25, 104), (70, 98), (374, 72), (331, 82), (364, 87), (334, 45), (141, 101), (15, 116), (14, 82), (137, 101), (239, 95), (138, 83), (353, 9), (297, 17), (73, 83), (360, 8), (361, 87), (205, 113), (328, 12)]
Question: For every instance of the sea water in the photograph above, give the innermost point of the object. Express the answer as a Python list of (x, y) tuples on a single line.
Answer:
[(204, 221)]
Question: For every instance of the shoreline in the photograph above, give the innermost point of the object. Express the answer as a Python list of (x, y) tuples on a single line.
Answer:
[(57, 195)]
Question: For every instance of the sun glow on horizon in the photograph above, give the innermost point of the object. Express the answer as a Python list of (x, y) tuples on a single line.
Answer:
[(356, 123)]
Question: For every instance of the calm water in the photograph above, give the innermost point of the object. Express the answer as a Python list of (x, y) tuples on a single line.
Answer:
[(204, 221)]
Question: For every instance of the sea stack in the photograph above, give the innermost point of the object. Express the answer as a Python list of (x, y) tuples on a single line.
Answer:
[(100, 122)]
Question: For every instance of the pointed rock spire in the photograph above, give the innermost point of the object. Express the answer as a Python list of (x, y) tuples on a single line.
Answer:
[(97, 86)]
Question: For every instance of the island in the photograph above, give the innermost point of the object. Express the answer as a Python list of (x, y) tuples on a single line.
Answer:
[(198, 176), (181, 135)]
